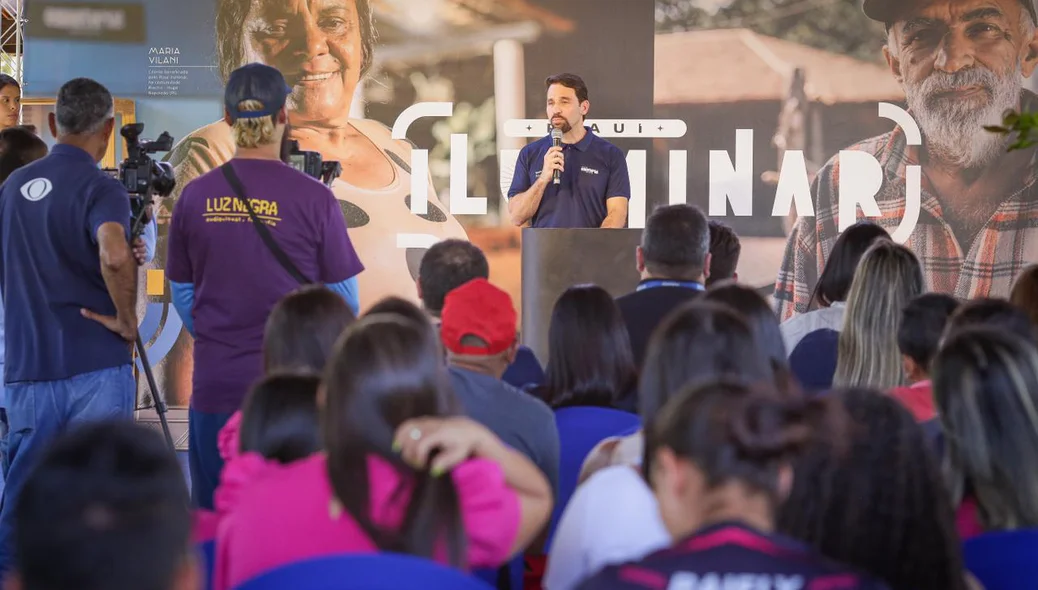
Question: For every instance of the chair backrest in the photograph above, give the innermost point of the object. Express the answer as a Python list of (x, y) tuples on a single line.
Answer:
[(365, 571), (813, 361), (1003, 560), (580, 430)]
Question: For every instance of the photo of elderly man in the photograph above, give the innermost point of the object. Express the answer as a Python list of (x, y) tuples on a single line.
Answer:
[(962, 64)]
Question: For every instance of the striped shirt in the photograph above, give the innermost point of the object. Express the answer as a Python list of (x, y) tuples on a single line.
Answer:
[(1006, 243)]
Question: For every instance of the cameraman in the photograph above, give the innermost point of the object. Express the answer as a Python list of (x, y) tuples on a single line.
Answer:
[(19, 145), (227, 271), (69, 284)]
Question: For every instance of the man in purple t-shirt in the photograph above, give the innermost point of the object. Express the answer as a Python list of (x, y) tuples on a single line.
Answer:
[(225, 279)]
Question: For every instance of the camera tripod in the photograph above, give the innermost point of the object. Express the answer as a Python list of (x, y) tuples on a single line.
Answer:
[(160, 404)]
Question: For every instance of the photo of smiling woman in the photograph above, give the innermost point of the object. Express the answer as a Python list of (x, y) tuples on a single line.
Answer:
[(324, 48)]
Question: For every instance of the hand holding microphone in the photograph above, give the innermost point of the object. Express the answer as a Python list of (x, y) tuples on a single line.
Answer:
[(553, 159)]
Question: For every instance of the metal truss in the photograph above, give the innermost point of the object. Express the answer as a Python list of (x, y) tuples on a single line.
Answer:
[(12, 31)]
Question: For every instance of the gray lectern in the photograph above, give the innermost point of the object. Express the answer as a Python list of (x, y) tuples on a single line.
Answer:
[(556, 259)]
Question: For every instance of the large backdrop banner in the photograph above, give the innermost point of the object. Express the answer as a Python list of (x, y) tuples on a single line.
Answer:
[(787, 119)]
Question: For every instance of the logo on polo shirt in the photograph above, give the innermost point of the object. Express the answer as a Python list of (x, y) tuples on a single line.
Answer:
[(36, 189), (587, 170)]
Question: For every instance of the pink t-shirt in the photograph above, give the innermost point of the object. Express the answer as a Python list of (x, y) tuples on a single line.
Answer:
[(285, 515)]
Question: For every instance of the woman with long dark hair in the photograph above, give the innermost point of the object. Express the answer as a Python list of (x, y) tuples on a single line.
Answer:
[(985, 386), (401, 471), (719, 460), (699, 341), (758, 314), (878, 502), (828, 300), (589, 352)]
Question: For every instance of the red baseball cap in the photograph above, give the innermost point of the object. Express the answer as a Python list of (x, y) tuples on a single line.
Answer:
[(478, 309)]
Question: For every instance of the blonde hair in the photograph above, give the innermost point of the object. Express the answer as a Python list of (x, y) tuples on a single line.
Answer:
[(887, 278), (986, 391), (1025, 292), (252, 133)]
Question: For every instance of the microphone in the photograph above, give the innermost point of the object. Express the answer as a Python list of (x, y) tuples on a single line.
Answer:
[(556, 141)]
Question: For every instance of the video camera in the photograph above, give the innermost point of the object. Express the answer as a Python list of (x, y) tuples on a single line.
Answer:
[(311, 164), (142, 176)]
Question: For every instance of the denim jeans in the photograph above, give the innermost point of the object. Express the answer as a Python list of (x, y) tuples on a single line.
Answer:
[(204, 460), (38, 411)]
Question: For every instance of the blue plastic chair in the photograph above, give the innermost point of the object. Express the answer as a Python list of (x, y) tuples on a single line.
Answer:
[(580, 430), (1004, 560), (208, 551), (365, 571)]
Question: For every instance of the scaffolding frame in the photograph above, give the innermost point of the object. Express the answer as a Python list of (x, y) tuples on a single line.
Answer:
[(12, 31)]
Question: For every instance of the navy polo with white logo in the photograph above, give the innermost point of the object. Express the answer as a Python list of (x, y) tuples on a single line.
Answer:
[(50, 267), (595, 170)]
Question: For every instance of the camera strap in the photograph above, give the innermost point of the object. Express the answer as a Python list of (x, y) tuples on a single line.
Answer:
[(261, 228)]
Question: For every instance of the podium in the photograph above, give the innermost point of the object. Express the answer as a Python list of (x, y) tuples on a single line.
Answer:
[(555, 259)]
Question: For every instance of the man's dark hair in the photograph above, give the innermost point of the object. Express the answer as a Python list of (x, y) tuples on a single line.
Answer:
[(675, 242), (446, 266), (569, 81), (992, 312), (922, 324), (106, 508), (724, 252), (83, 105), (18, 147)]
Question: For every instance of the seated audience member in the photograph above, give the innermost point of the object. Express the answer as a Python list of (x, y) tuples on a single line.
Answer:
[(407, 310), (106, 508), (1025, 292), (760, 316), (995, 313), (449, 264), (279, 418), (673, 260), (888, 277), (278, 425), (19, 146), (719, 460), (985, 386), (589, 353), (302, 330), (877, 501), (725, 249), (613, 517), (477, 330), (918, 337), (299, 335), (830, 295), (385, 406), (590, 380)]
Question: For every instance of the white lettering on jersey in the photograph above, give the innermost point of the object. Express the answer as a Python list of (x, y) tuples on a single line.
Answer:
[(734, 581), (36, 189)]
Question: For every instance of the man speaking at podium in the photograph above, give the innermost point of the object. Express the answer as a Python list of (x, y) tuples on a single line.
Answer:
[(569, 178)]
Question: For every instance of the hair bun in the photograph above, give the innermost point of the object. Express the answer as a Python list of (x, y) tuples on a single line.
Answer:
[(764, 426)]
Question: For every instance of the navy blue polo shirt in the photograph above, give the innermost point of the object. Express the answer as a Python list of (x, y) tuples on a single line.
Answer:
[(732, 555), (595, 170), (50, 267)]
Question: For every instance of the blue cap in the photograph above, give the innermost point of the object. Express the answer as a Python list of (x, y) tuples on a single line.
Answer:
[(257, 82)]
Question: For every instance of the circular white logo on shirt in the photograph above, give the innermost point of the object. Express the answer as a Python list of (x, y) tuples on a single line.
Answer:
[(36, 189)]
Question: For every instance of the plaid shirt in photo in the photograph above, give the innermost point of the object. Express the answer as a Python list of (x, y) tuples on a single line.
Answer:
[(1005, 244)]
